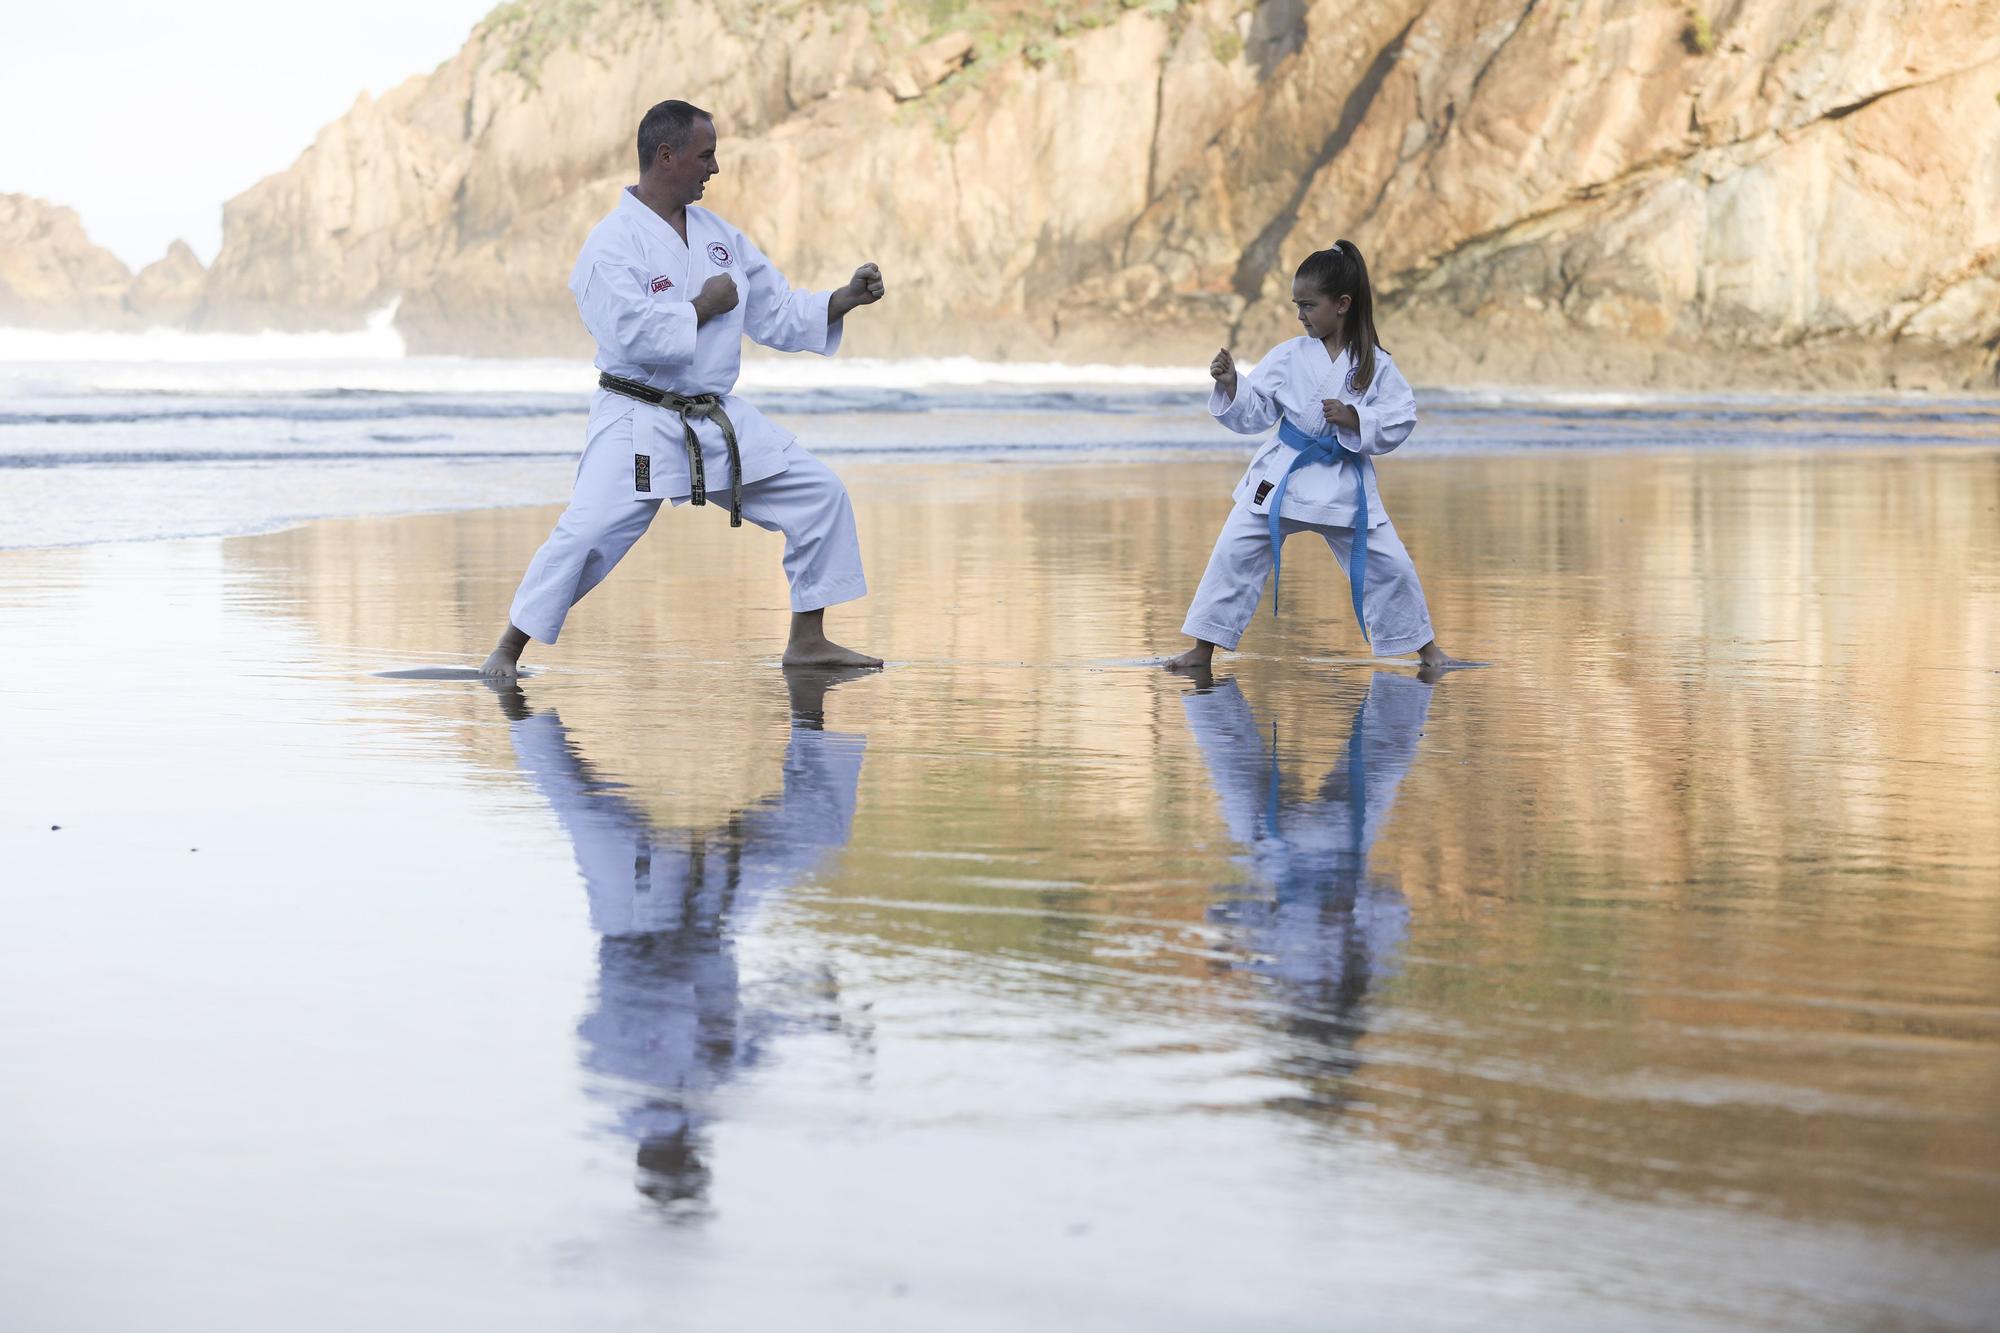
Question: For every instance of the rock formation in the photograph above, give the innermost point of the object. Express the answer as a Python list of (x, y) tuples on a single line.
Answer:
[(51, 275), (1726, 194), (167, 290)]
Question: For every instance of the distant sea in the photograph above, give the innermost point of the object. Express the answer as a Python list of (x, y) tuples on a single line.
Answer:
[(133, 437)]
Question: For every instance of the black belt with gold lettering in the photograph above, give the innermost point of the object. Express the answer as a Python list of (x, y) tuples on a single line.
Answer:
[(696, 405)]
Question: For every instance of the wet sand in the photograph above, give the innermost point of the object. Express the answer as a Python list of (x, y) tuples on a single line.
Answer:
[(1645, 979)]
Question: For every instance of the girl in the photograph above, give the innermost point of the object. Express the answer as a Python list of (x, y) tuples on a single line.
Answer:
[(1337, 400)]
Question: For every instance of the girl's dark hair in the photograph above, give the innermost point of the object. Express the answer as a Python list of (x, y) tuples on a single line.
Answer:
[(1341, 272)]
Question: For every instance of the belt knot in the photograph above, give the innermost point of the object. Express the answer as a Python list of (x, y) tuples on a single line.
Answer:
[(699, 406), (1324, 449)]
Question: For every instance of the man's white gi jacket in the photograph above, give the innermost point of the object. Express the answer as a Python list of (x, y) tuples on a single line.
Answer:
[(635, 283)]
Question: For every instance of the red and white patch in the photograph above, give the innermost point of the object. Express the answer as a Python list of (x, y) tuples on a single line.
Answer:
[(661, 284), (719, 253)]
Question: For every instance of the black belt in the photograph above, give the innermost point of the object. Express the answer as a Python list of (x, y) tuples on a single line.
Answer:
[(696, 405)]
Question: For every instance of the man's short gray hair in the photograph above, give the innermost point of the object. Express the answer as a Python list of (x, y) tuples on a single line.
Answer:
[(670, 123)]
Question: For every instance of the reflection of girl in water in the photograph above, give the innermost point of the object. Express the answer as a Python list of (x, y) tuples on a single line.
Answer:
[(669, 1026), (1321, 931)]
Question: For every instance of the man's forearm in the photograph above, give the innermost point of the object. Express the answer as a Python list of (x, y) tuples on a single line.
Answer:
[(839, 303)]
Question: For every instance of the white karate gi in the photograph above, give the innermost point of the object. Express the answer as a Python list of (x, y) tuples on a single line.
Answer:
[(634, 284), (1292, 382), (1323, 930), (669, 1026)]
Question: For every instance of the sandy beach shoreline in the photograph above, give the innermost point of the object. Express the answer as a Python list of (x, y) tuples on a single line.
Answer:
[(1022, 981)]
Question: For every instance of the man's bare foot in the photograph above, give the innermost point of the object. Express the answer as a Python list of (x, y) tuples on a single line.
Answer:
[(807, 687), (505, 661), (1198, 658), (809, 646), (826, 653)]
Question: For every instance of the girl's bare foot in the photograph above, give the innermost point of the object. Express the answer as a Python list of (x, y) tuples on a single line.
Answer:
[(505, 661), (513, 700), (1198, 658), (1433, 661)]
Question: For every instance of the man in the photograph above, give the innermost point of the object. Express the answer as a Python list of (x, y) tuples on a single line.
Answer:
[(669, 291), (672, 1023)]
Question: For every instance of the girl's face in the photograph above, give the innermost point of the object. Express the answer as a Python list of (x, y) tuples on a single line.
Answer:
[(1321, 314)]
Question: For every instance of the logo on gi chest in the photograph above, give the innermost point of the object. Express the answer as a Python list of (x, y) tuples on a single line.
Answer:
[(661, 284), (719, 253)]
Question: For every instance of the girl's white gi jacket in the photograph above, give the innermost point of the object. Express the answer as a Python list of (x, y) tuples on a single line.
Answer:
[(635, 282), (1292, 381)]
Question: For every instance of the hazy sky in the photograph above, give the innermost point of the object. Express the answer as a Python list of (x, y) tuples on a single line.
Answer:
[(144, 117)]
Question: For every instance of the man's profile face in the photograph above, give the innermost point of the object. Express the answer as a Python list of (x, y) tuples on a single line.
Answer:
[(686, 170)]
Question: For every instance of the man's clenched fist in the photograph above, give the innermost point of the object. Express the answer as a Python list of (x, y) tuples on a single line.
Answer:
[(717, 297), (867, 284)]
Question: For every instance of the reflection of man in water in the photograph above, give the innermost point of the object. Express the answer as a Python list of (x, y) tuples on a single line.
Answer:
[(669, 1026), (1321, 931)]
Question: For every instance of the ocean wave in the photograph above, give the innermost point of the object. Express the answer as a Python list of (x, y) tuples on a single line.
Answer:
[(39, 363), (179, 457), (926, 450), (99, 407), (1654, 403), (377, 340), (1550, 418), (282, 409)]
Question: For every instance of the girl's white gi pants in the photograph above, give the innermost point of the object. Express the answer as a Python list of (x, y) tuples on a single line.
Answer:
[(805, 502), (1392, 600)]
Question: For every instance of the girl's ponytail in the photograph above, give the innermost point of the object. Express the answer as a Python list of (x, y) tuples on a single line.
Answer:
[(1342, 272)]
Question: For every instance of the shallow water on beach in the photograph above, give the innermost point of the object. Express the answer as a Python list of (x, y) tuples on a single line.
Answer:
[(1645, 978), (158, 442)]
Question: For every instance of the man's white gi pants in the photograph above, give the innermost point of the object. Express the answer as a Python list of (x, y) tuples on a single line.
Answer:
[(806, 502), (1392, 599)]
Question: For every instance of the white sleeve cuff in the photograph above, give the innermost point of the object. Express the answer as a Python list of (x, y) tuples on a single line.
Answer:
[(1220, 407), (822, 301)]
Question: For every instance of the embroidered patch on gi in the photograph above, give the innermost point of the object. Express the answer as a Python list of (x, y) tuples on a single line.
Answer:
[(642, 472), (719, 253), (1263, 489), (661, 283)]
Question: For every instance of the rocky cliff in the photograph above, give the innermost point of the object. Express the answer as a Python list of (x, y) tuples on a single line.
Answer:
[(1741, 192), (168, 290), (53, 277)]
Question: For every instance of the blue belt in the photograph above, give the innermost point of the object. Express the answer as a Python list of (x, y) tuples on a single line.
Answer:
[(1324, 449), (1357, 790)]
